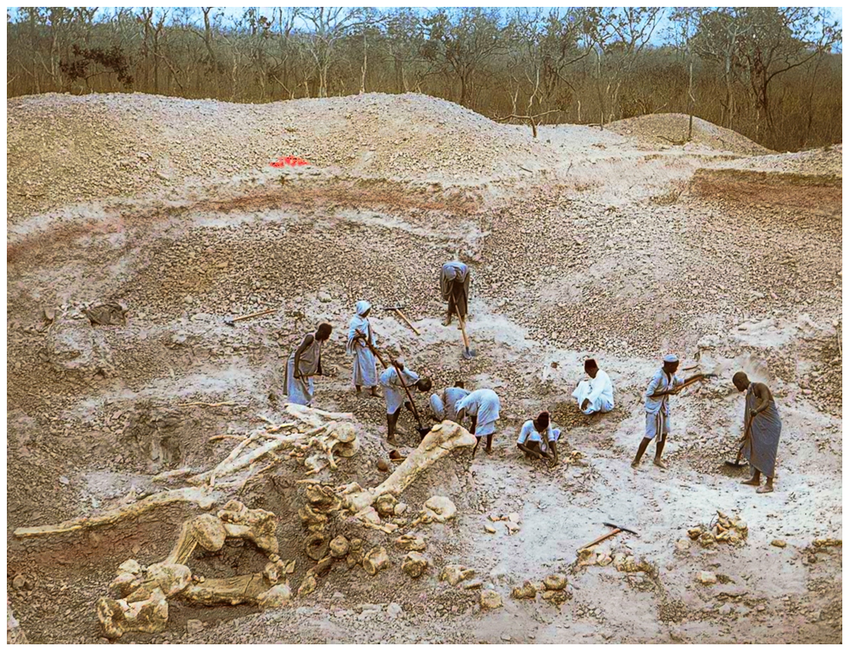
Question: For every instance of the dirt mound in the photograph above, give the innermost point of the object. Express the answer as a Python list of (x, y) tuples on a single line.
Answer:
[(822, 162), (672, 129), (64, 149)]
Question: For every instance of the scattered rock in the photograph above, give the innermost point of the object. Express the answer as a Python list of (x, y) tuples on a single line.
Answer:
[(376, 560), (556, 582), (394, 610), (490, 599), (779, 543), (324, 297), (339, 547), (415, 564), (455, 574), (489, 528), (194, 626), (525, 592), (706, 577)]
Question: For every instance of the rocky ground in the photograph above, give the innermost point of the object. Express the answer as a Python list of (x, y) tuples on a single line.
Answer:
[(621, 244)]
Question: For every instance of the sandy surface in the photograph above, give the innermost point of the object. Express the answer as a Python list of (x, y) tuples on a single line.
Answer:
[(585, 242)]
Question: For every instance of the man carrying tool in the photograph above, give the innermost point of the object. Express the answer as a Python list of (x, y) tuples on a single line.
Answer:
[(762, 436), (538, 439), (454, 285), (664, 383), (482, 406), (394, 393), (597, 394), (360, 343), (304, 363), (445, 406)]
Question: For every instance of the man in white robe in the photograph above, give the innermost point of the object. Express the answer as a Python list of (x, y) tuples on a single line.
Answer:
[(361, 340), (445, 406), (596, 394), (482, 406), (394, 393)]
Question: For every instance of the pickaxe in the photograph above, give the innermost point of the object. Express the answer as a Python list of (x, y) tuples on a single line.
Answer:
[(230, 321), (397, 310), (617, 529)]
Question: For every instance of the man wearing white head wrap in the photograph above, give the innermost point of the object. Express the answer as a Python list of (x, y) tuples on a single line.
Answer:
[(360, 336), (454, 285), (664, 383)]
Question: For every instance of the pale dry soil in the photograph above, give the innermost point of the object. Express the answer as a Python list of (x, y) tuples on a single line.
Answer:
[(600, 246)]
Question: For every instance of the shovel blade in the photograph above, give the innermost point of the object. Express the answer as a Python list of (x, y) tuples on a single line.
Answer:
[(468, 354)]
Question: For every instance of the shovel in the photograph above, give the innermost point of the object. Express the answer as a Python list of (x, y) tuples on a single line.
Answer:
[(467, 352), (737, 464), (422, 429)]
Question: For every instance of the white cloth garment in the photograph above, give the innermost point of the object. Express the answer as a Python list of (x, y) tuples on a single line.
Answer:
[(484, 405), (529, 433), (445, 406), (363, 372), (599, 390), (300, 390), (393, 391)]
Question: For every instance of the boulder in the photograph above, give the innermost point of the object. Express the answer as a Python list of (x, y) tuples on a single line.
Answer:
[(415, 564)]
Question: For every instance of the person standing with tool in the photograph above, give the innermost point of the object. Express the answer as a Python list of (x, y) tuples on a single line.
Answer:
[(361, 341), (454, 285), (762, 430), (394, 392), (664, 383), (304, 363)]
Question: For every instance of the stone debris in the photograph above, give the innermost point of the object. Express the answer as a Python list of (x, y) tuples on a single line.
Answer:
[(376, 560), (778, 543), (527, 591), (724, 529), (454, 574), (490, 599), (415, 564), (194, 626), (706, 577)]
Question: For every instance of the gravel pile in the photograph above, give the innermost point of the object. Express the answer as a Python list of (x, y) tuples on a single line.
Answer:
[(672, 129), (825, 161), (64, 149)]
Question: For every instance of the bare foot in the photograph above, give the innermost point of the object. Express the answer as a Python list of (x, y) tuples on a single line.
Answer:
[(447, 321), (635, 464), (373, 392), (766, 489), (751, 482), (659, 464)]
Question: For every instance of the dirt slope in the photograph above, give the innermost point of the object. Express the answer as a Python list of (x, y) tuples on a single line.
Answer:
[(597, 246)]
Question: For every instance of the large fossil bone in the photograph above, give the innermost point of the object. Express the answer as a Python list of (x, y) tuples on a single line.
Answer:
[(315, 437), (142, 594), (442, 440)]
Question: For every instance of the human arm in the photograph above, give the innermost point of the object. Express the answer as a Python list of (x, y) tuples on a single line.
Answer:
[(308, 340), (762, 393), (554, 446), (523, 438)]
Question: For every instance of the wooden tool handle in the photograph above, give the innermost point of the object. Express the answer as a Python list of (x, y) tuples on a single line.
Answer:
[(604, 537), (409, 396), (463, 332), (376, 354), (406, 320)]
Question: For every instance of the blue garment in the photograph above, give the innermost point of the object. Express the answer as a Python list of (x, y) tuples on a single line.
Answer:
[(394, 393), (363, 372), (484, 405)]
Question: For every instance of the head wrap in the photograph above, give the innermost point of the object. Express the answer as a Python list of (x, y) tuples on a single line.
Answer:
[(670, 358), (362, 306)]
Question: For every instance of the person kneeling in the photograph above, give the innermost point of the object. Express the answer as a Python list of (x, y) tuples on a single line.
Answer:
[(597, 394), (538, 439)]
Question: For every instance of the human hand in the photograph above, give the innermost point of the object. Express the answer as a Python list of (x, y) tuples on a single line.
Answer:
[(585, 403)]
